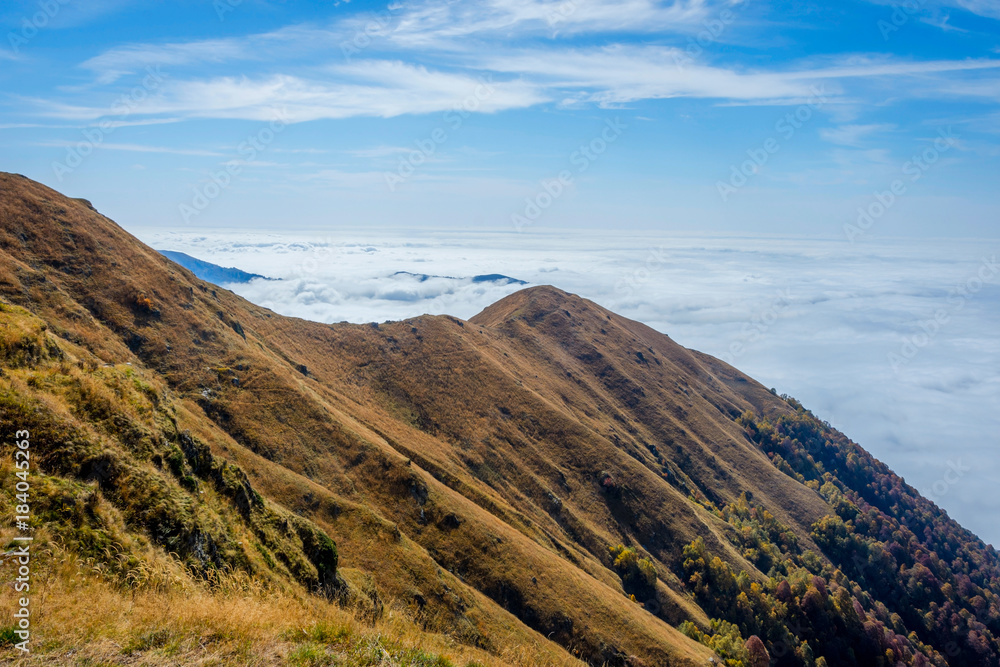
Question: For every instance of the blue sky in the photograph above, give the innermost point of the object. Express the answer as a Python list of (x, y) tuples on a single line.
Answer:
[(693, 115)]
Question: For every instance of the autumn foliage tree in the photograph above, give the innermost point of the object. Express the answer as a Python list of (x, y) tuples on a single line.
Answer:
[(638, 574), (757, 654)]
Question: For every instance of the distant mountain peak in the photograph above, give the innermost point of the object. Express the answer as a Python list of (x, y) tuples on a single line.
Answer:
[(498, 278), (213, 273)]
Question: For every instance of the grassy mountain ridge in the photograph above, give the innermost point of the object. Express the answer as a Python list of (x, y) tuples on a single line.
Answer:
[(544, 483)]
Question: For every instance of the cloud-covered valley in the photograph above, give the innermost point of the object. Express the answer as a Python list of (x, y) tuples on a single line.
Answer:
[(892, 342)]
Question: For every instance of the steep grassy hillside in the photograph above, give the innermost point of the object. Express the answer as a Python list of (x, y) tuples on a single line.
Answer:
[(546, 483)]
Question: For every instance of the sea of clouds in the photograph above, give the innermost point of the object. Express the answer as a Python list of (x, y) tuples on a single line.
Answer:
[(893, 342)]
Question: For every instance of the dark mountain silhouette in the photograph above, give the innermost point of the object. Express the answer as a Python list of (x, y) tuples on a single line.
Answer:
[(209, 272), (486, 278)]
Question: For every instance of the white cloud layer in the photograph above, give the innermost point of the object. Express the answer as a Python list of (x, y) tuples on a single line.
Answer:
[(816, 319)]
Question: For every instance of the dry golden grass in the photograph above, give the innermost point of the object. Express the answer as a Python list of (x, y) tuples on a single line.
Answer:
[(81, 619), (458, 465), (86, 398)]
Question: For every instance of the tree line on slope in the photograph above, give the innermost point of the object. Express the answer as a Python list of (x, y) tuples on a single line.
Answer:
[(903, 584)]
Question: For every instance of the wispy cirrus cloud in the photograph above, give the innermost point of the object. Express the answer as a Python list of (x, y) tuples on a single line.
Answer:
[(137, 148), (376, 88), (986, 8), (280, 47), (380, 151), (853, 135), (64, 15), (340, 179), (442, 24), (116, 63), (619, 74)]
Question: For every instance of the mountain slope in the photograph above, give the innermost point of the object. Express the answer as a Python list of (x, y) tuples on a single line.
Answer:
[(547, 473)]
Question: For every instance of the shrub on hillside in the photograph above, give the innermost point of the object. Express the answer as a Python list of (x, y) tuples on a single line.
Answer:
[(638, 574)]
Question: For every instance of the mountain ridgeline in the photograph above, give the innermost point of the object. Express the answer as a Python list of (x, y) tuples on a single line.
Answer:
[(547, 483)]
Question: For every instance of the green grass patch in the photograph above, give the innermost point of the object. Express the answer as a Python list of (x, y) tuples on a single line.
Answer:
[(7, 636)]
